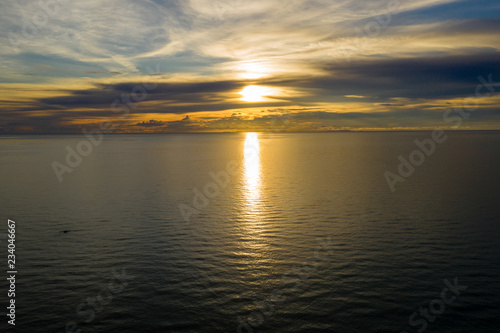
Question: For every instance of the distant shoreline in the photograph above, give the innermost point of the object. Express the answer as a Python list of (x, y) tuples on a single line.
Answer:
[(262, 132)]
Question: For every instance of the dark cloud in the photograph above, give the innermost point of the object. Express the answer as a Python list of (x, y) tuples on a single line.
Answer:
[(151, 123), (418, 79), (422, 70), (182, 125), (479, 27), (175, 89), (415, 77), (455, 10), (197, 96), (383, 79), (105, 95)]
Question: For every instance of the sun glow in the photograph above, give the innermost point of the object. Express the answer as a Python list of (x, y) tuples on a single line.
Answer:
[(253, 70), (255, 93)]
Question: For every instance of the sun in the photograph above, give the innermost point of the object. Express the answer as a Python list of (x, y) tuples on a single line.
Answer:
[(254, 93)]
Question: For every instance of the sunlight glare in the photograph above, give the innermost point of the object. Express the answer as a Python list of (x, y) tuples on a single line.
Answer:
[(255, 93), (253, 70), (252, 167)]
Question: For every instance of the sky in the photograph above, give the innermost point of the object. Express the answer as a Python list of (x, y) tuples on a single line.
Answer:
[(165, 66)]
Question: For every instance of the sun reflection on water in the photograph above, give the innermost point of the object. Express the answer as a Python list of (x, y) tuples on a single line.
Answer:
[(252, 168)]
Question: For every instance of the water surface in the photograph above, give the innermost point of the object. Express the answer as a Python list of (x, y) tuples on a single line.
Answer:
[(380, 255)]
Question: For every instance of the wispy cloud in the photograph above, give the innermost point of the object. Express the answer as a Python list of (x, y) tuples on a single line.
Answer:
[(63, 65)]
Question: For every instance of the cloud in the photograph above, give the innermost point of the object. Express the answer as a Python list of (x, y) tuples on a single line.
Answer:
[(415, 77), (65, 66), (354, 96), (151, 123)]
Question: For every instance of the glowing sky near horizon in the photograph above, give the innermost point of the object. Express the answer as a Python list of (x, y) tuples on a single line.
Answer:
[(233, 65)]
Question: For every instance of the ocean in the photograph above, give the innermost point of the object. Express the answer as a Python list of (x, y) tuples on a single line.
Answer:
[(253, 232)]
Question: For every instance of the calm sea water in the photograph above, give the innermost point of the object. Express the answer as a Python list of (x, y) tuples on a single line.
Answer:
[(304, 235)]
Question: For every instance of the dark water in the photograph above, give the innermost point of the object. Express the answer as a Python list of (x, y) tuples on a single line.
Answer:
[(304, 235)]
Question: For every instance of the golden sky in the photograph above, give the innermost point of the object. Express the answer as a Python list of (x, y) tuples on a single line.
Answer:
[(234, 65)]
